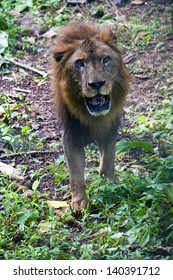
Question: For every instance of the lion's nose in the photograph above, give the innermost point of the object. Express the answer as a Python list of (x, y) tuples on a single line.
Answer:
[(97, 85)]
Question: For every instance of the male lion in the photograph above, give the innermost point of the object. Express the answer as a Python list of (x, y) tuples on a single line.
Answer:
[(90, 84)]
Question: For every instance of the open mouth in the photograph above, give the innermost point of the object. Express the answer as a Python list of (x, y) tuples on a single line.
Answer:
[(98, 104)]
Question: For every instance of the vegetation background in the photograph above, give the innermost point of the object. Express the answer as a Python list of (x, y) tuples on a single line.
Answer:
[(132, 220)]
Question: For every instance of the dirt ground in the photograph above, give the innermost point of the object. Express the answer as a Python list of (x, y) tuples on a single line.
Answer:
[(143, 93)]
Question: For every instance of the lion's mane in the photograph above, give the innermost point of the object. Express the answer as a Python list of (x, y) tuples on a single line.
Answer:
[(66, 93)]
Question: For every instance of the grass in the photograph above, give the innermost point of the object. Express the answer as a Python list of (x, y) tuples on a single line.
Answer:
[(132, 220), (120, 220)]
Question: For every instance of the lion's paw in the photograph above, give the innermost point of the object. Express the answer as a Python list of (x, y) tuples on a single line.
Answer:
[(115, 180), (111, 177), (78, 202)]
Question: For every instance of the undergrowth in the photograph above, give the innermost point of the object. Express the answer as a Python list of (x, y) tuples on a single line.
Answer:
[(132, 220)]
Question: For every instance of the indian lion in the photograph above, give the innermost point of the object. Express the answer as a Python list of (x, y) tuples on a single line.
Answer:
[(89, 83)]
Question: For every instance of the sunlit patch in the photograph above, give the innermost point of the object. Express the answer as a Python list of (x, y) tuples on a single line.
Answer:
[(98, 104)]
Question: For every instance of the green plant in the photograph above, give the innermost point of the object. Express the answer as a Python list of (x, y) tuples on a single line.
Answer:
[(129, 220)]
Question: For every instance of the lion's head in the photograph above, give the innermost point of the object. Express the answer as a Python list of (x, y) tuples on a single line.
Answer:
[(89, 76)]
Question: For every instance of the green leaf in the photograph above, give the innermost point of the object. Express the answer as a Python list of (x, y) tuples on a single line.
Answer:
[(35, 185), (145, 238), (29, 214), (2, 61), (141, 119), (124, 146), (159, 134), (105, 17), (142, 144), (169, 126), (170, 193), (22, 5), (60, 159), (99, 12), (25, 129)]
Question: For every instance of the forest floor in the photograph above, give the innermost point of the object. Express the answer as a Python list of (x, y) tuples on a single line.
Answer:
[(145, 34), (150, 65)]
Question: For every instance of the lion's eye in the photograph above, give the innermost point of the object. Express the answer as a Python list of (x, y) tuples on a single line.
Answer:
[(79, 63), (106, 59)]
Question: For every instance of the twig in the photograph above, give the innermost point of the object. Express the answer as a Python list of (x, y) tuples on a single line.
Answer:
[(110, 3), (128, 58), (168, 250), (22, 90), (156, 250), (26, 153), (26, 67)]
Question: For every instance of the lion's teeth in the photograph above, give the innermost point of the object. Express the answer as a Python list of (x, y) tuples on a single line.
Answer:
[(103, 100), (97, 100)]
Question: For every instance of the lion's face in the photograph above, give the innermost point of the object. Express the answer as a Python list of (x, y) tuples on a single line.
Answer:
[(94, 67)]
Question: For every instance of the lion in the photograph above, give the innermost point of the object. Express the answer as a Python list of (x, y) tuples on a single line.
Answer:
[(89, 83)]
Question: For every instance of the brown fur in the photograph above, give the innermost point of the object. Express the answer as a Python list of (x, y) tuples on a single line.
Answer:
[(70, 86)]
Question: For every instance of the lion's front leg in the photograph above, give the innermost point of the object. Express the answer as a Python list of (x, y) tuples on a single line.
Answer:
[(74, 152), (107, 158)]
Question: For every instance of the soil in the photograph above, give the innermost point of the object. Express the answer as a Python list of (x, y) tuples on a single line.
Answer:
[(143, 93)]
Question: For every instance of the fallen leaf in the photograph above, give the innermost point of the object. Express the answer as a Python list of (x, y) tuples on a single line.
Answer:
[(57, 204), (51, 33), (3, 41), (137, 2), (31, 40), (75, 2), (27, 193), (142, 36), (60, 11), (128, 58), (141, 76), (45, 226), (10, 171)]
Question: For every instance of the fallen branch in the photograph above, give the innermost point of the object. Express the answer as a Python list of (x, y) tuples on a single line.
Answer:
[(166, 250), (26, 66), (26, 153)]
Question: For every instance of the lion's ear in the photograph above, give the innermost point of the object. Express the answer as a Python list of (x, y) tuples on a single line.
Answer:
[(113, 35), (58, 56)]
